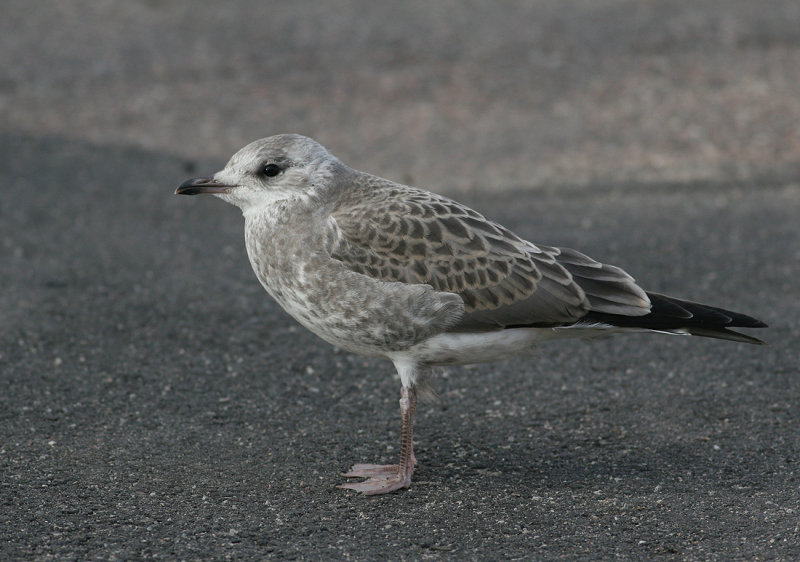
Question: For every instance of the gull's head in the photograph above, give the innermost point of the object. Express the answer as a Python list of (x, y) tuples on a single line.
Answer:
[(269, 170)]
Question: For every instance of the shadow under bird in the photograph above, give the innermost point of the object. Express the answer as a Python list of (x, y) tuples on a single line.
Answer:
[(387, 270)]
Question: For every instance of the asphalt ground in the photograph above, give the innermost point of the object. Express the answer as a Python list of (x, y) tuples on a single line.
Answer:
[(155, 403)]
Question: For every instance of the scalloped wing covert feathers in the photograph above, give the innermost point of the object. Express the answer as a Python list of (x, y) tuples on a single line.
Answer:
[(399, 233)]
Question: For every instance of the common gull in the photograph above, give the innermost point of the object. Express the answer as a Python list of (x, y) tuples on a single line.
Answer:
[(391, 271)]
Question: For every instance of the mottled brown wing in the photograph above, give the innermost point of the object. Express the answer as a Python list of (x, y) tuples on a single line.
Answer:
[(396, 233)]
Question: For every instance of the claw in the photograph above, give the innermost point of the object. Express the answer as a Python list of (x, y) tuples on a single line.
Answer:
[(381, 478)]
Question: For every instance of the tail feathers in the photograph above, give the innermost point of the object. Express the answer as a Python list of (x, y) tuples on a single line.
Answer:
[(674, 315)]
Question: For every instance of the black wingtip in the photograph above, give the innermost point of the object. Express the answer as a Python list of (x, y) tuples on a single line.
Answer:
[(725, 334), (675, 315)]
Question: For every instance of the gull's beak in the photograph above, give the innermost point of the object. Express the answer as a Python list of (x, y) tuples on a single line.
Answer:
[(202, 185)]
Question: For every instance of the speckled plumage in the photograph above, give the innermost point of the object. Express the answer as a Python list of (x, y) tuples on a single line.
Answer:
[(392, 271)]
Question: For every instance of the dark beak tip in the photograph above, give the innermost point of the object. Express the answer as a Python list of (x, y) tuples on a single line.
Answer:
[(191, 186), (184, 189), (194, 186)]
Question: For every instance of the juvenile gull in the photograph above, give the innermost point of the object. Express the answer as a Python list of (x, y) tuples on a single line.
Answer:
[(391, 271)]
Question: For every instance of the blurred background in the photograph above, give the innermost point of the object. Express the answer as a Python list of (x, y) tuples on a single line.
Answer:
[(155, 403), (451, 95)]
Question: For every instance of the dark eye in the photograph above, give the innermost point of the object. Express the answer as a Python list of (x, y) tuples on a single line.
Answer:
[(272, 170)]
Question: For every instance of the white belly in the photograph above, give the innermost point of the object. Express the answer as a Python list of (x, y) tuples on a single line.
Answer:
[(484, 347)]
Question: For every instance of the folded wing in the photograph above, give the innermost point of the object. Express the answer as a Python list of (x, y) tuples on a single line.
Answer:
[(413, 236)]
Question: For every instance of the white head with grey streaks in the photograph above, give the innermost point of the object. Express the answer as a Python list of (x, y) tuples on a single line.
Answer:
[(301, 165)]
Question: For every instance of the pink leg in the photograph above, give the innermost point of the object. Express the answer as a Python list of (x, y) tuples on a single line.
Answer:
[(385, 478)]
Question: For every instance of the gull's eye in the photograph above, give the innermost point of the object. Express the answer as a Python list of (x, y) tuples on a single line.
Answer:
[(271, 170)]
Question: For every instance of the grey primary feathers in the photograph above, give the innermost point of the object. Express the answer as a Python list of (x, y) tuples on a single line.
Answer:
[(387, 270)]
